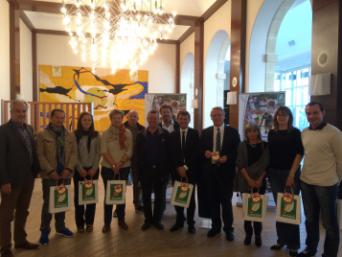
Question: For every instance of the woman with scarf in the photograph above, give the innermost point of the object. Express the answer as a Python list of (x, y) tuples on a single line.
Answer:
[(88, 158), (252, 161), (116, 150)]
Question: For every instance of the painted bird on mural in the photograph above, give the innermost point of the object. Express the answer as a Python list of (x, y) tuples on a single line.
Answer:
[(58, 90)]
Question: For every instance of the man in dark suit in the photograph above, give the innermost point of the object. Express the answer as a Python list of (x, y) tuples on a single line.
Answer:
[(185, 151), (153, 162), (18, 169), (219, 145)]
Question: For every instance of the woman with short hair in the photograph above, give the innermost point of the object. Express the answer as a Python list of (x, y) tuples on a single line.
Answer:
[(116, 149)]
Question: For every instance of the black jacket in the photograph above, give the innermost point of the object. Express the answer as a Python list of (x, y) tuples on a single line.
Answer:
[(165, 162), (191, 156), (15, 163)]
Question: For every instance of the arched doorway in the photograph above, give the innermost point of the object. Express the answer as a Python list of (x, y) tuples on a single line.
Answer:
[(280, 53), (216, 74), (187, 83)]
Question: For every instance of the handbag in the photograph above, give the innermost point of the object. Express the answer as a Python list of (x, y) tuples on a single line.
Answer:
[(115, 191), (254, 206), (59, 198), (288, 208), (181, 194), (87, 192)]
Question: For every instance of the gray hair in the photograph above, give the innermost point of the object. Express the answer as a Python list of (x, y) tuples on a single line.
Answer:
[(18, 101)]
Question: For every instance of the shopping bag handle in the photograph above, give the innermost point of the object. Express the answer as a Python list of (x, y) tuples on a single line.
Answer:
[(288, 196), (255, 195), (184, 179)]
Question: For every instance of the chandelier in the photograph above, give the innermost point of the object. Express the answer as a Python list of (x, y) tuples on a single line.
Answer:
[(120, 34)]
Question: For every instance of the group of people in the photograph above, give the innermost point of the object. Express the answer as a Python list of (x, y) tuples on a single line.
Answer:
[(216, 160)]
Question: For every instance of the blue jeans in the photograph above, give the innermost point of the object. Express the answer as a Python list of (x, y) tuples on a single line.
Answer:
[(316, 200), (288, 234)]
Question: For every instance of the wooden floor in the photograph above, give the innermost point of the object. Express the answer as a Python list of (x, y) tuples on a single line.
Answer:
[(152, 243)]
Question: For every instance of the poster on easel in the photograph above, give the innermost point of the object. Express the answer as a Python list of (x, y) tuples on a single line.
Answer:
[(259, 108), (154, 101)]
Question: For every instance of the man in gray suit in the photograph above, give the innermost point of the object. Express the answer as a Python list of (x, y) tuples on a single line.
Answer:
[(18, 168)]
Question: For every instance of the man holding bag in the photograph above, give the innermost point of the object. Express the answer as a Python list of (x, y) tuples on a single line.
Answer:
[(57, 154), (185, 150)]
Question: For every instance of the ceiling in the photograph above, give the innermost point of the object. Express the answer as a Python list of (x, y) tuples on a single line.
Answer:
[(49, 21)]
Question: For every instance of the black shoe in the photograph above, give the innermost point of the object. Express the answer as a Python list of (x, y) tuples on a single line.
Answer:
[(158, 225), (306, 253), (293, 253), (229, 236), (105, 229), (258, 241), (26, 246), (176, 227), (6, 253), (146, 226), (139, 208), (122, 224), (248, 240), (276, 247), (191, 230), (213, 232)]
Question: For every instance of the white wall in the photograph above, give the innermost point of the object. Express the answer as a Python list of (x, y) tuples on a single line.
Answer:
[(55, 50), (4, 50), (186, 47), (253, 8), (26, 91), (216, 28)]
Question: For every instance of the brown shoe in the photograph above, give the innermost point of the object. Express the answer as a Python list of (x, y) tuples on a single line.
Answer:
[(6, 253), (89, 228), (26, 245), (123, 225)]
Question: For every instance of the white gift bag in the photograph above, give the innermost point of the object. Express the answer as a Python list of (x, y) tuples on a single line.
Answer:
[(288, 208), (181, 194), (115, 192), (59, 198), (254, 206), (87, 192)]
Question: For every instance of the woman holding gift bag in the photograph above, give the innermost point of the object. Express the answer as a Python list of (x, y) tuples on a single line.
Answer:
[(87, 170), (286, 151), (252, 161), (116, 149)]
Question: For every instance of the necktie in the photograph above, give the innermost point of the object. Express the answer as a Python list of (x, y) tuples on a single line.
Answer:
[(218, 140), (183, 140)]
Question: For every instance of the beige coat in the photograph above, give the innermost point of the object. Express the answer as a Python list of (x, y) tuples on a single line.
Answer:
[(46, 149)]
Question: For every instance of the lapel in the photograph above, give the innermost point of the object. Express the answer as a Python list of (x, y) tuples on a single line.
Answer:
[(17, 134)]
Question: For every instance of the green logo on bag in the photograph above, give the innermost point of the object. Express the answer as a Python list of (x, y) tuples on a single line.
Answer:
[(88, 192), (116, 192), (61, 198), (182, 194), (254, 208), (288, 209)]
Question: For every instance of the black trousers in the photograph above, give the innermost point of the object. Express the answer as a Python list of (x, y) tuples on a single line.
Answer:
[(153, 182), (84, 214), (220, 193), (108, 174)]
